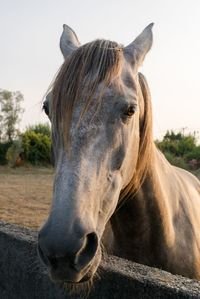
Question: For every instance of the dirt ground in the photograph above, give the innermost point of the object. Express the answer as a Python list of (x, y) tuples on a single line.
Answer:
[(25, 195)]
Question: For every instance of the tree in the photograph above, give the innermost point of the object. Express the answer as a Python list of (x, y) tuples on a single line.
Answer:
[(10, 114)]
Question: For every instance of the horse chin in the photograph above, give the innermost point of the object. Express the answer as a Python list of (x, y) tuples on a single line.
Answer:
[(83, 278)]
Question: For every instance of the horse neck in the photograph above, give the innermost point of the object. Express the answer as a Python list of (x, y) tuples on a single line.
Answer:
[(143, 222)]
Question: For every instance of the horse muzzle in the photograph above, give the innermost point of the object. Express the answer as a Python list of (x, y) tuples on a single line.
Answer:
[(71, 261)]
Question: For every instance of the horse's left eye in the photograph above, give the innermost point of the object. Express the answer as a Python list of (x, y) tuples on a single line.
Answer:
[(46, 108), (130, 110)]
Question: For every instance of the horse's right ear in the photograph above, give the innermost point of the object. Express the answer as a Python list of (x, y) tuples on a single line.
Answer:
[(68, 41)]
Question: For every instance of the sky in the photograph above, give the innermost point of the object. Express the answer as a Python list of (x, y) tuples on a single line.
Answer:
[(30, 54)]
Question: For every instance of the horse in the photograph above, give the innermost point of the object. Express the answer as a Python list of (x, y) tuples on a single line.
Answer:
[(112, 185)]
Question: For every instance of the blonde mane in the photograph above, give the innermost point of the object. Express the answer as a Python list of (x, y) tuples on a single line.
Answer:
[(78, 78), (145, 146)]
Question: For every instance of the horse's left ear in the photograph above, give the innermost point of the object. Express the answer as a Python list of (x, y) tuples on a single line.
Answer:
[(68, 41), (137, 50)]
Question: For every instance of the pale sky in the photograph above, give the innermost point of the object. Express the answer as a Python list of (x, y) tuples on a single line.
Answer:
[(30, 55)]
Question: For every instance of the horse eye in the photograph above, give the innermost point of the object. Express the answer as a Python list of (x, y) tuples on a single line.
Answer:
[(130, 111), (46, 108)]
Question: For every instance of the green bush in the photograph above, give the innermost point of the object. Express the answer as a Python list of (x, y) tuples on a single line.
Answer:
[(3, 150), (179, 148), (36, 147), (177, 144), (14, 152), (43, 129), (176, 161), (194, 154), (186, 145), (169, 146)]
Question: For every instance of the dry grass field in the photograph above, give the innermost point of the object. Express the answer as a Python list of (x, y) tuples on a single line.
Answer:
[(25, 195)]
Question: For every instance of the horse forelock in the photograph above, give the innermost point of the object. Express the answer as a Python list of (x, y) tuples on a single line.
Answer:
[(78, 78)]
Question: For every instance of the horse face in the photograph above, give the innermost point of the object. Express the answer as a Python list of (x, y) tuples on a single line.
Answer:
[(89, 178)]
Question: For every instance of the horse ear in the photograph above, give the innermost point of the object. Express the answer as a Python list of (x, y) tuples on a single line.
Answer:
[(137, 50), (68, 41)]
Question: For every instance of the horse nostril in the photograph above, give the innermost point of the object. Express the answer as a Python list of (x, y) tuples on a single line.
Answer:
[(92, 243), (75, 254), (87, 252)]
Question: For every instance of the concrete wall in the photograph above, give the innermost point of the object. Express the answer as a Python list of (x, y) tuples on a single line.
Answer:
[(21, 276)]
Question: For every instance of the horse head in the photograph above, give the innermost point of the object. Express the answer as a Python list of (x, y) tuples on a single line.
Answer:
[(97, 113)]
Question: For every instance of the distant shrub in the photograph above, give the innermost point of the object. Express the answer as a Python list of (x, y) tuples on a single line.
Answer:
[(186, 145), (43, 129), (3, 150), (176, 161), (177, 144), (194, 154), (180, 148), (167, 146), (36, 147), (14, 152)]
